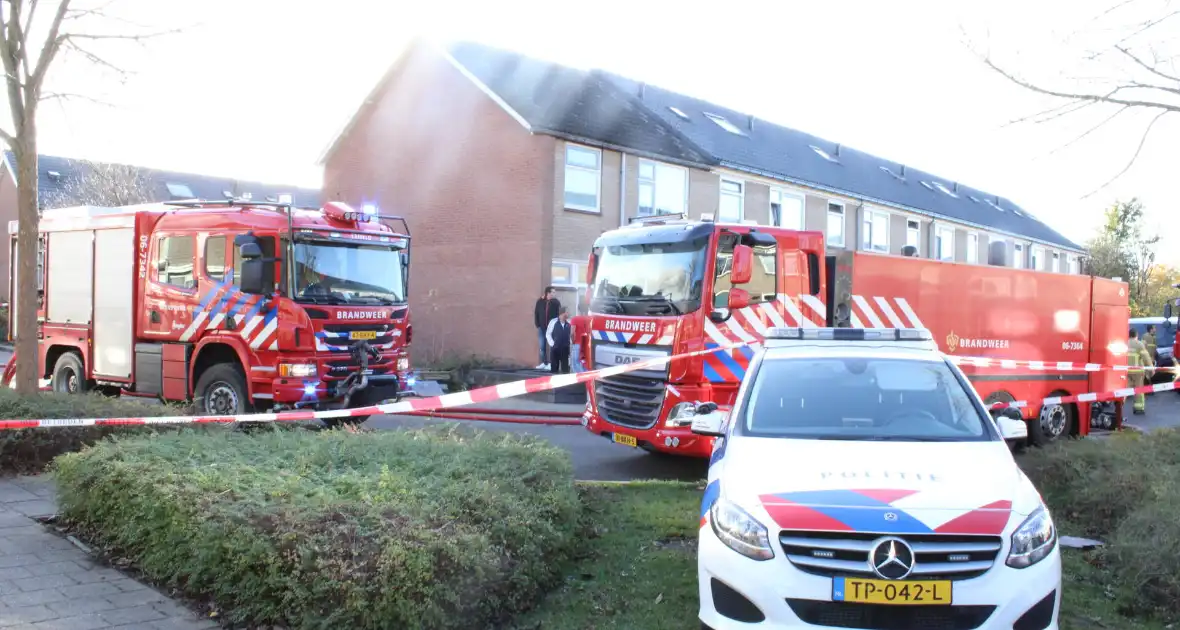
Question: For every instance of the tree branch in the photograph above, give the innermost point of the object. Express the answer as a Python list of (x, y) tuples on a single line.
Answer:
[(1146, 66), (8, 138), (48, 51), (1098, 98), (8, 54), (1090, 131), (1135, 157), (66, 96), (94, 59)]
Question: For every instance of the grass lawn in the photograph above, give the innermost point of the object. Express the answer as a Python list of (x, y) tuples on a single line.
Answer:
[(637, 569)]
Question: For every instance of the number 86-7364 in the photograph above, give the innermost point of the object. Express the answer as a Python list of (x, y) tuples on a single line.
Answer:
[(1072, 345)]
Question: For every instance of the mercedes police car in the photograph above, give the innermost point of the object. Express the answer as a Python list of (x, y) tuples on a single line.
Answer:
[(859, 482)]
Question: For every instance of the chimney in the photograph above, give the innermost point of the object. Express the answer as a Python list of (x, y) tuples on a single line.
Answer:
[(955, 186), (837, 149), (642, 89), (750, 122), (903, 170)]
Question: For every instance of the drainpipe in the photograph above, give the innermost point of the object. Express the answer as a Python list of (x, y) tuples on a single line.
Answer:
[(858, 231), (623, 190)]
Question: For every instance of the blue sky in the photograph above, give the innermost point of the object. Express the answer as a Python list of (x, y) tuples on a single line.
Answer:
[(258, 89)]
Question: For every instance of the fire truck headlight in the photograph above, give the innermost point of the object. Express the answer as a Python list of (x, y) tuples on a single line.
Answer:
[(403, 364), (309, 390), (681, 414), (297, 370)]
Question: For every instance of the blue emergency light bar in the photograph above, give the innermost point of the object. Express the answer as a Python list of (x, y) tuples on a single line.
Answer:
[(850, 334)]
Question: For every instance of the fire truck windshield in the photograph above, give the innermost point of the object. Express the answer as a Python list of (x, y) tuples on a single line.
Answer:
[(650, 278), (348, 273)]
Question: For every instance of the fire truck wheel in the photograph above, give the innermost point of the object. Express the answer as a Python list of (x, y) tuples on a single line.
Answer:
[(69, 377), (1054, 422), (221, 391)]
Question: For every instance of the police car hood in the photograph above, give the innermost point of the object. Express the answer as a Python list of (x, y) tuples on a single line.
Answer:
[(892, 487)]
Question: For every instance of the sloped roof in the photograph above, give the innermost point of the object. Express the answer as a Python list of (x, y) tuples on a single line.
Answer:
[(60, 184), (622, 112)]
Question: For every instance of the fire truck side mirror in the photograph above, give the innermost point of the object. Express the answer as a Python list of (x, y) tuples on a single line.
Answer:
[(1167, 312), (738, 298), (743, 264), (250, 250)]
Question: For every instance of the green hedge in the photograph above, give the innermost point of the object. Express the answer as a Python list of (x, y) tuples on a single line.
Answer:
[(30, 450), (436, 528)]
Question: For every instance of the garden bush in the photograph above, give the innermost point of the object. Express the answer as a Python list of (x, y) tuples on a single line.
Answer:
[(435, 528), (30, 450)]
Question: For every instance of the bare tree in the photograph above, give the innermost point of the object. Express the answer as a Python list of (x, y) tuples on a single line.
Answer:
[(1126, 67), (30, 40), (101, 184)]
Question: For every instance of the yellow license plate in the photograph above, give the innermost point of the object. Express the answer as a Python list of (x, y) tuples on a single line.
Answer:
[(897, 592), (362, 334), (625, 439)]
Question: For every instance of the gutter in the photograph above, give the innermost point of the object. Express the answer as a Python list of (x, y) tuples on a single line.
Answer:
[(925, 213), (621, 149)]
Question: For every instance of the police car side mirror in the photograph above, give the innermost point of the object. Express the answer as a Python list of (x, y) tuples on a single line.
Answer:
[(1011, 423), (709, 424)]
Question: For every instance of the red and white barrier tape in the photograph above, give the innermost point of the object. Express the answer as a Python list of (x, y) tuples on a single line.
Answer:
[(457, 399), (545, 383), (1117, 394), (1059, 366)]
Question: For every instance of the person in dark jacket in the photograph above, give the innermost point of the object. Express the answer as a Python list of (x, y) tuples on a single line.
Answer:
[(546, 310), (559, 336)]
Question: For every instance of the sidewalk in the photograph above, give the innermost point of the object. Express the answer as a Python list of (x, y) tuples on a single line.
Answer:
[(49, 584)]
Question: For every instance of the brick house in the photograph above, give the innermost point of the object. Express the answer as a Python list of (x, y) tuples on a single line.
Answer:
[(508, 168), (63, 182)]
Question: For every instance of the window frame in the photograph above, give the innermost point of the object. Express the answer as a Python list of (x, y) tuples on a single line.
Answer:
[(972, 238), (226, 265), (1055, 262), (1035, 254), (573, 273), (740, 194), (917, 232), (1018, 256), (597, 207), (842, 212), (940, 238), (160, 274), (654, 183), (866, 229), (782, 194)]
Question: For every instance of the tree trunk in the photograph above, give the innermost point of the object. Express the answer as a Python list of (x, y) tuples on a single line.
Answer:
[(28, 363)]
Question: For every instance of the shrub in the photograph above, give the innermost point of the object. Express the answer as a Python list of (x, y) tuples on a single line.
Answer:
[(30, 450), (435, 528)]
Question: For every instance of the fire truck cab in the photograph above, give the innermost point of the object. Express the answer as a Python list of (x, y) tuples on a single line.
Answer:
[(233, 305), (667, 286)]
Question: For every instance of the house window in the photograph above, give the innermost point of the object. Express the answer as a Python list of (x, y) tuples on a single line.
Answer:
[(944, 243), (786, 209), (875, 231), (913, 234), (1075, 265), (1018, 256), (730, 208), (723, 123), (1038, 256), (563, 274), (175, 258), (215, 257), (973, 248), (1056, 263), (583, 173), (835, 224), (663, 189)]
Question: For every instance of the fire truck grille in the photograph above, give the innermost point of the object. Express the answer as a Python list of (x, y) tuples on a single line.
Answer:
[(630, 401), (846, 554), (341, 368)]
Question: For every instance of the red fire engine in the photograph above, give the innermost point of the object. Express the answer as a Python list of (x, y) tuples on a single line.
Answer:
[(236, 305), (668, 286)]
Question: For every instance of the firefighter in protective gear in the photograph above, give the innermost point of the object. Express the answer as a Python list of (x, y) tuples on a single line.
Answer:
[(1138, 357), (1149, 341)]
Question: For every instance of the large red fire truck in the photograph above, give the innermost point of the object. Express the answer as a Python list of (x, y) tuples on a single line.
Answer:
[(668, 286), (235, 305)]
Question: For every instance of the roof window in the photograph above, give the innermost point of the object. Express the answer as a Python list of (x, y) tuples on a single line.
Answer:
[(944, 189), (995, 203), (894, 175), (678, 112), (723, 123), (974, 198), (927, 185), (180, 191), (54, 175), (823, 154)]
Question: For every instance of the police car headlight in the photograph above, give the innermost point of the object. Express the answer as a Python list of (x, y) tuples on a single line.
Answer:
[(1033, 540), (739, 531)]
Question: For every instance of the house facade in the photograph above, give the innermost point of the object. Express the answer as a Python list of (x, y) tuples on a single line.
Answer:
[(509, 168), (64, 182)]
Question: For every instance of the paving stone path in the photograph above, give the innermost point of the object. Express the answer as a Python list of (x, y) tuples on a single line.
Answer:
[(47, 583)]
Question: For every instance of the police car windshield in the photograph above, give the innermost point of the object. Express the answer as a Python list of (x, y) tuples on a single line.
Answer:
[(650, 278), (348, 273), (854, 398)]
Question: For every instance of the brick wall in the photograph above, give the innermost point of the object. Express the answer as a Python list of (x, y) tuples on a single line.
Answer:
[(475, 187), (8, 212)]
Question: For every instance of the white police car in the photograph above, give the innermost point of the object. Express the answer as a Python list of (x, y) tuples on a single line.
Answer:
[(859, 482)]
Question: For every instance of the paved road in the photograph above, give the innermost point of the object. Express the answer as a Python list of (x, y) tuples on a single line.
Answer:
[(594, 457), (1163, 411)]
